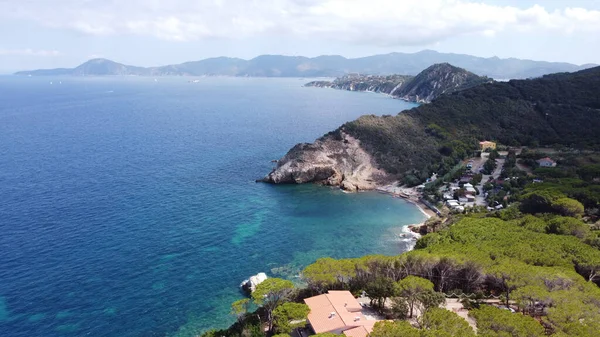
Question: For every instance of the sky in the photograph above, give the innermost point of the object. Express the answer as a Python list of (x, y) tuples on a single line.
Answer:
[(65, 33)]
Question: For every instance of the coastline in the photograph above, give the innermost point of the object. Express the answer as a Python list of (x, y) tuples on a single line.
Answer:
[(409, 194), (412, 196)]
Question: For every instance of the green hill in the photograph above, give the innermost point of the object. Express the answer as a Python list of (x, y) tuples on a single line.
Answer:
[(429, 84), (555, 109)]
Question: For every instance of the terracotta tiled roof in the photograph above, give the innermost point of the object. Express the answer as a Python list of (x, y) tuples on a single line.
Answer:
[(337, 311), (357, 332), (320, 316), (343, 299)]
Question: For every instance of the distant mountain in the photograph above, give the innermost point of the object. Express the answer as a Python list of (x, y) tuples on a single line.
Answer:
[(94, 67), (429, 84), (324, 66)]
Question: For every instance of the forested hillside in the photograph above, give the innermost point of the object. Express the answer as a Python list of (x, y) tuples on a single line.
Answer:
[(553, 278), (555, 109)]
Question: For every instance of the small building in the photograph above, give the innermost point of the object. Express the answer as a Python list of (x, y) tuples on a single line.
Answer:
[(546, 162), (338, 312), (485, 145), (471, 190), (463, 199), (452, 203), (470, 198)]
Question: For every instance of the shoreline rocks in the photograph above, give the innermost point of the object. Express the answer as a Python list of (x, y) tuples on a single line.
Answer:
[(249, 285)]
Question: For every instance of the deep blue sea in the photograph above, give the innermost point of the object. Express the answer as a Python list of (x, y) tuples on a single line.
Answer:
[(128, 207)]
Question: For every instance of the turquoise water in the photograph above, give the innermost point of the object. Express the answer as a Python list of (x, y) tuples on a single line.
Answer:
[(129, 206)]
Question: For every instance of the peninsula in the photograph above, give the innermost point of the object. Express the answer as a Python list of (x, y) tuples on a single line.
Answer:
[(373, 151), (429, 84)]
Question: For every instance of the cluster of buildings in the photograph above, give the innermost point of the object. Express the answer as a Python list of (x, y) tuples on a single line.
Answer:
[(463, 199)]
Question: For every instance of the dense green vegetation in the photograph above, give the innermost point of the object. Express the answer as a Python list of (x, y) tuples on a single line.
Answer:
[(555, 109), (548, 276), (435, 322), (576, 178)]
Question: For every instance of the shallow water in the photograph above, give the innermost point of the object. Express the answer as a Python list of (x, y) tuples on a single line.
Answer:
[(129, 207)]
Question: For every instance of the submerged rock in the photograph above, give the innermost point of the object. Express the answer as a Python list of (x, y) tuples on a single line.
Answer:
[(249, 285)]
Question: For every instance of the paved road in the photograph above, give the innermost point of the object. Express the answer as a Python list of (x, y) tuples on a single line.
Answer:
[(479, 199)]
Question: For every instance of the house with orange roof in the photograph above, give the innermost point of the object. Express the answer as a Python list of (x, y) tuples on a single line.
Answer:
[(484, 145), (338, 312)]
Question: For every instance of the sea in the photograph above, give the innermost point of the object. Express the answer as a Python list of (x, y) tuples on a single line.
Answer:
[(129, 207)]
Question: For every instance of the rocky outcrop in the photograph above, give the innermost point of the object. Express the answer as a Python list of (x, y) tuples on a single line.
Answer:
[(336, 159), (249, 285), (437, 80), (429, 84)]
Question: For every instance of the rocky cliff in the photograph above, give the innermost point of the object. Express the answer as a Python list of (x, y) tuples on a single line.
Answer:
[(429, 84), (336, 159)]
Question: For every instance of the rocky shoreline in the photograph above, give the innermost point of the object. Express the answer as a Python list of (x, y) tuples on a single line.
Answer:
[(334, 160)]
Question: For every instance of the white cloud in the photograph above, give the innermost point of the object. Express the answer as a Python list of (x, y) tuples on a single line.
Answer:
[(376, 22), (29, 52)]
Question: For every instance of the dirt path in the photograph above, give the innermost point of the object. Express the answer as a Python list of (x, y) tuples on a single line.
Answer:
[(455, 306)]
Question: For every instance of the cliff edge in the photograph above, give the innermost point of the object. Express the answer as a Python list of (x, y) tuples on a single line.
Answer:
[(336, 159)]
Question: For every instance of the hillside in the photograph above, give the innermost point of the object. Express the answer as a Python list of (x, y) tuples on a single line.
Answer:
[(372, 83), (326, 66), (432, 82), (555, 109)]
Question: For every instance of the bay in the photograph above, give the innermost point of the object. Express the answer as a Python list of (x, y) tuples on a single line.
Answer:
[(128, 206)]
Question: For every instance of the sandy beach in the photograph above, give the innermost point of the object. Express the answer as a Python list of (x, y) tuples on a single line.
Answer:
[(409, 194)]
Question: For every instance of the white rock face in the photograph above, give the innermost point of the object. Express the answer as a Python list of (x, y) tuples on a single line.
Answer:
[(250, 284), (330, 161)]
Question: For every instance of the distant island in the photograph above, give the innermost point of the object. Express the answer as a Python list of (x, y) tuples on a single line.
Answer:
[(429, 84), (321, 66)]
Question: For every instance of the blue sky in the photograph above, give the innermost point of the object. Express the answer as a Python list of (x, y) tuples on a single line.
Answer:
[(65, 33)]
